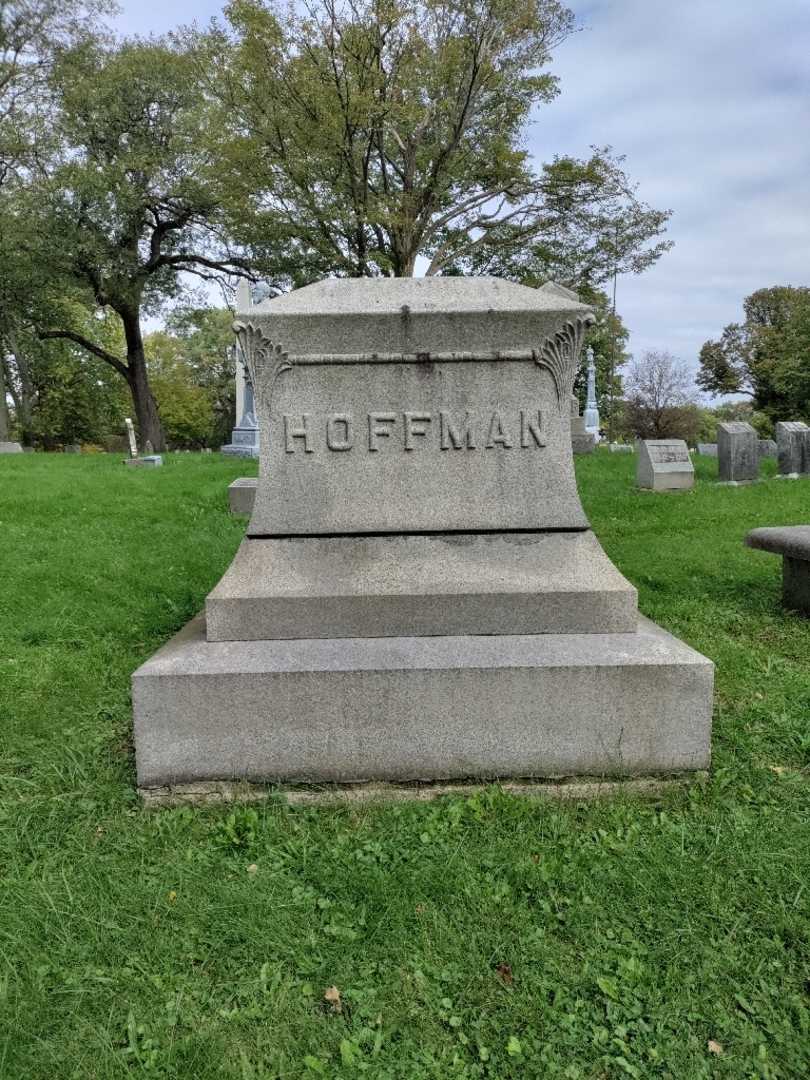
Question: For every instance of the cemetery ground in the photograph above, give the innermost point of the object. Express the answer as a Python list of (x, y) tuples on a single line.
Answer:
[(474, 936)]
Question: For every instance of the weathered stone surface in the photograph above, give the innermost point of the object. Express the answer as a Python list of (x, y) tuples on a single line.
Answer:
[(456, 418), (416, 562), (621, 448), (150, 461), (10, 448), (790, 437), (415, 708), (133, 445), (796, 585), (521, 583), (215, 792), (792, 542), (707, 449), (767, 448), (737, 452), (664, 465), (241, 494), (583, 444)]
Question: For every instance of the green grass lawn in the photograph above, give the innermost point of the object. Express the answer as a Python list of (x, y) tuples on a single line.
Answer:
[(482, 936)]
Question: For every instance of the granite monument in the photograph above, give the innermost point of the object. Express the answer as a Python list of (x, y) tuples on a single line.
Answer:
[(737, 452), (790, 447), (664, 465), (419, 595)]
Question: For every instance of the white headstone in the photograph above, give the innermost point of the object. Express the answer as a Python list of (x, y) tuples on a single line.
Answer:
[(591, 406), (664, 465), (133, 446)]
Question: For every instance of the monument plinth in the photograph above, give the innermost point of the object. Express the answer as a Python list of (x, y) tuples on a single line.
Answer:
[(419, 595)]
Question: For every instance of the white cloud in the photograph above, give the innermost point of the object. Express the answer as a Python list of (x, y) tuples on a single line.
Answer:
[(710, 101)]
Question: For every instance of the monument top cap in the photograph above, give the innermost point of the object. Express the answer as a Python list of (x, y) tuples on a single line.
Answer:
[(388, 296), (394, 319)]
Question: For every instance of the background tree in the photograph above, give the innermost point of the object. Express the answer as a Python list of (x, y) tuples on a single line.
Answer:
[(133, 202), (767, 356), (206, 338), (185, 407), (372, 134), (32, 34), (60, 392), (191, 368), (608, 338), (659, 393)]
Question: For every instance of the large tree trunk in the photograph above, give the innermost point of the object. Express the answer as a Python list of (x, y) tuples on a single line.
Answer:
[(4, 426), (25, 402), (146, 411)]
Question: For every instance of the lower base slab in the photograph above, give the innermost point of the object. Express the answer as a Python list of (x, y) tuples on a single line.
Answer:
[(206, 793), (347, 710)]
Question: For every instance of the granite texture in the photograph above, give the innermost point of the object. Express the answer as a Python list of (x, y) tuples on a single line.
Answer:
[(664, 465), (707, 449), (621, 448), (397, 709), (393, 465), (10, 448), (583, 444), (790, 540), (737, 452), (768, 448), (414, 405), (534, 583), (790, 444), (796, 585), (419, 596), (412, 315), (241, 494)]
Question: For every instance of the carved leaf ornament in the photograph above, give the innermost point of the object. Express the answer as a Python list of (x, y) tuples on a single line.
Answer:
[(559, 354)]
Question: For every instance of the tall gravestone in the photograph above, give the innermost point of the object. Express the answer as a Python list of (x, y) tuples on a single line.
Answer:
[(664, 465), (582, 441), (419, 595), (737, 452), (245, 436), (790, 447), (591, 405)]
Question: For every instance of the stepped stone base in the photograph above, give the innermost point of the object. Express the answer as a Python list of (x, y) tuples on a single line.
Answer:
[(406, 586), (400, 709)]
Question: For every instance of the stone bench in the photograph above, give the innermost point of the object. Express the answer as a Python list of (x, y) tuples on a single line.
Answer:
[(792, 542)]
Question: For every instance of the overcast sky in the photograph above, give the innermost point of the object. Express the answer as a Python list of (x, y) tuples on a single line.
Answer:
[(710, 102)]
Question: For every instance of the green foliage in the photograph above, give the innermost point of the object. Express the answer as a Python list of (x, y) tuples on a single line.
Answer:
[(185, 407), (206, 340), (127, 202), (766, 356), (368, 135), (745, 411), (479, 936), (78, 398)]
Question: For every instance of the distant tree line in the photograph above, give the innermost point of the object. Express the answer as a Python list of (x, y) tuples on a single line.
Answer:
[(766, 357), (282, 143)]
